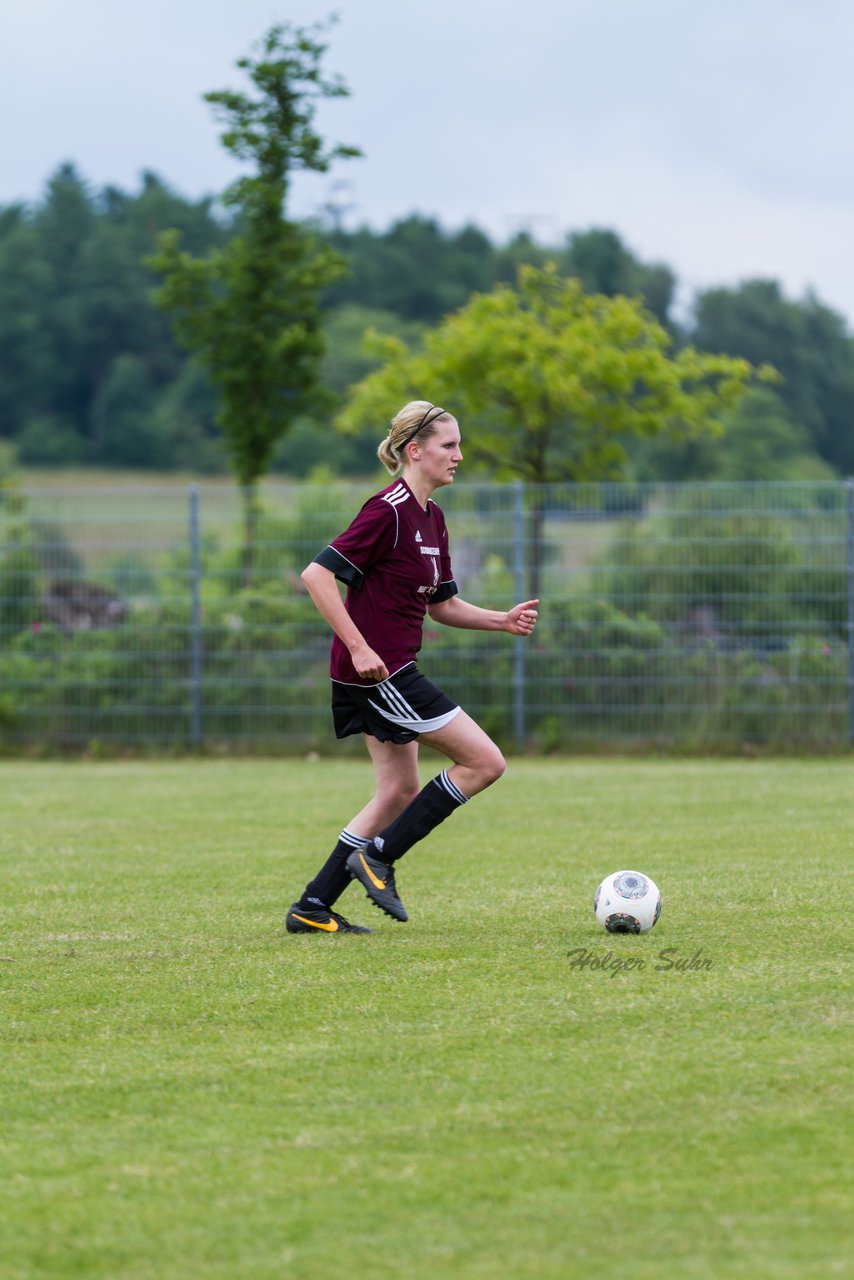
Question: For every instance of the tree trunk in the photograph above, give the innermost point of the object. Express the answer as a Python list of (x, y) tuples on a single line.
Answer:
[(538, 525), (249, 496)]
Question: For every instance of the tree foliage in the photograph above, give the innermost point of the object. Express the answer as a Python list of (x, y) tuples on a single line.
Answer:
[(806, 341), (760, 440), (416, 270), (74, 299), (603, 264), (551, 380)]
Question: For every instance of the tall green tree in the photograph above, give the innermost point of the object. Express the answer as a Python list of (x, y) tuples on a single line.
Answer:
[(550, 382), (250, 310)]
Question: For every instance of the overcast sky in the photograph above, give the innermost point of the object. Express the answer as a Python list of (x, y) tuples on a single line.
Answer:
[(714, 135)]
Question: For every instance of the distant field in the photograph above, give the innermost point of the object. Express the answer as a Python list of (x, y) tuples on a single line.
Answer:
[(108, 478), (488, 1091), (108, 514)]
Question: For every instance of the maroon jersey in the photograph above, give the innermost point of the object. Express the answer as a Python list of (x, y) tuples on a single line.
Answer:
[(395, 561)]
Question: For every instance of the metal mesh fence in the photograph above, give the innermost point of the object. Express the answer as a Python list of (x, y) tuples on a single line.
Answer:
[(697, 617)]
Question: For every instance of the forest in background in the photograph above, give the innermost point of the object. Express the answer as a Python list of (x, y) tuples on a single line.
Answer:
[(91, 374)]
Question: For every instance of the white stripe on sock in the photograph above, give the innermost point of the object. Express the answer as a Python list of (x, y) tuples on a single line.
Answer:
[(354, 841), (451, 787)]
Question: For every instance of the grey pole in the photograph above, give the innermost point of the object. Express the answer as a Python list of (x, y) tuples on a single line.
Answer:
[(519, 642), (849, 564), (195, 621)]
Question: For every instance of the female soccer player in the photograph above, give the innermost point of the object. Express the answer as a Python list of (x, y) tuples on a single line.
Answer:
[(395, 562)]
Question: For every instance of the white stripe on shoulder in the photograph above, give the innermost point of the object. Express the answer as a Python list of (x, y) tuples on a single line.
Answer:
[(394, 507), (395, 496)]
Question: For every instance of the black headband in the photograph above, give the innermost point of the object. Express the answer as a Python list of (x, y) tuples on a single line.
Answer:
[(422, 423)]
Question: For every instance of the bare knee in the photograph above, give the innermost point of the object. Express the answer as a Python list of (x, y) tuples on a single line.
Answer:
[(484, 770), (396, 794), (494, 765)]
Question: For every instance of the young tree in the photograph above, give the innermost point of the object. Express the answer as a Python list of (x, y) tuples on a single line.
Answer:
[(550, 381), (250, 310)]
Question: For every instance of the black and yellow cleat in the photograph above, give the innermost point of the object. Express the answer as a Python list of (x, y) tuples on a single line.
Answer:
[(319, 920), (378, 879)]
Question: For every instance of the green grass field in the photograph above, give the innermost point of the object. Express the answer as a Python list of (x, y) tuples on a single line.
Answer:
[(186, 1091)]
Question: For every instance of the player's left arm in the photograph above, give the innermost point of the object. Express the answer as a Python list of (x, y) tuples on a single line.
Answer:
[(519, 621)]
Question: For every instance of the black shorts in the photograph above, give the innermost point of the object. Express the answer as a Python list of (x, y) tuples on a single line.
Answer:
[(395, 710)]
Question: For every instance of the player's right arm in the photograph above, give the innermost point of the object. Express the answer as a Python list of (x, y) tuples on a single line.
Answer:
[(323, 589)]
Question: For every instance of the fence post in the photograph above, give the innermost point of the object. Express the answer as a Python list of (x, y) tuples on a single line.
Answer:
[(519, 642), (195, 621), (849, 564)]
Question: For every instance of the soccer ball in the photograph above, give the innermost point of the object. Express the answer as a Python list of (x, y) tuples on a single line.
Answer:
[(627, 902)]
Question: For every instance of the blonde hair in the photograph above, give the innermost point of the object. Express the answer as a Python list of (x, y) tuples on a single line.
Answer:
[(418, 418)]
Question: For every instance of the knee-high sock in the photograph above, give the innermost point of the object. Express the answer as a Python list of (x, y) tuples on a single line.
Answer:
[(433, 804), (333, 877)]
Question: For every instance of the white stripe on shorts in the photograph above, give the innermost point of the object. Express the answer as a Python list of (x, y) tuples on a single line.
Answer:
[(414, 722), (396, 700)]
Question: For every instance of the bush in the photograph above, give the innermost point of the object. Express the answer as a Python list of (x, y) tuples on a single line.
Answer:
[(47, 441), (721, 575)]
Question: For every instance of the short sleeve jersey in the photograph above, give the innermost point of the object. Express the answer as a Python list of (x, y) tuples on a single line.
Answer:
[(394, 559)]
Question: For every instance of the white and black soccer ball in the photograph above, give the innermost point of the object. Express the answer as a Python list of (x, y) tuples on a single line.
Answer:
[(627, 902)]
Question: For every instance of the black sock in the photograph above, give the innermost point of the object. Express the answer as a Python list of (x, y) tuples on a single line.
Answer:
[(333, 877), (436, 802)]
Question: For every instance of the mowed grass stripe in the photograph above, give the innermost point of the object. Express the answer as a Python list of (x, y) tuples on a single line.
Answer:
[(187, 1091)]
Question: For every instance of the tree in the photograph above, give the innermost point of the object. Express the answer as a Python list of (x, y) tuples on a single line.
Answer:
[(250, 310), (603, 264), (75, 298), (122, 417), (414, 269), (42, 329), (550, 382), (806, 341), (309, 449), (759, 441), (346, 360), (26, 363)]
